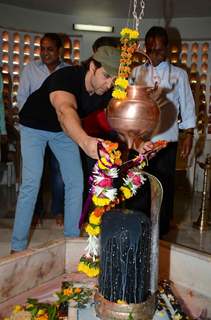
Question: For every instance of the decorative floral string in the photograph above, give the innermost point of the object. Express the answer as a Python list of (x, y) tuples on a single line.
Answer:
[(105, 196), (129, 44)]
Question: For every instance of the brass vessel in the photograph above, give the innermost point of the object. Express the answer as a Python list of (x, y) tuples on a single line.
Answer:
[(202, 222), (108, 310), (136, 117)]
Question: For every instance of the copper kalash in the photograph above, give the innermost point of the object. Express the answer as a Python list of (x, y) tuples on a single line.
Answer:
[(135, 119)]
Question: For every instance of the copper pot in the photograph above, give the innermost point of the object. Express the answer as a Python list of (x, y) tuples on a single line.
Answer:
[(136, 117), (107, 310)]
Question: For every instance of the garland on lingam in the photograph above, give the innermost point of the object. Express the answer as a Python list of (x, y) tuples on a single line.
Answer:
[(105, 196)]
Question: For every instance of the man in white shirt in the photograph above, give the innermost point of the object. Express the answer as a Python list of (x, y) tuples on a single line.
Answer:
[(177, 103), (32, 78)]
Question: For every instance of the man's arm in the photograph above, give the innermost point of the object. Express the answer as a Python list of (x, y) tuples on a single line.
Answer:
[(66, 108), (187, 110)]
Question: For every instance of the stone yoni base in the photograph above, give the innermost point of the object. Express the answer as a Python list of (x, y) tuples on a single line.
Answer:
[(107, 310)]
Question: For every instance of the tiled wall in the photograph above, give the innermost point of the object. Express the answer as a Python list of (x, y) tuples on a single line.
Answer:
[(19, 48)]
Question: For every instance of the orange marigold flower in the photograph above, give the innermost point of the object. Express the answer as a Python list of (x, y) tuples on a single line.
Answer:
[(68, 292), (98, 212)]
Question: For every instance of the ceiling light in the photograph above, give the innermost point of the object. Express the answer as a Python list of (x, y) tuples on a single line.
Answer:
[(90, 27)]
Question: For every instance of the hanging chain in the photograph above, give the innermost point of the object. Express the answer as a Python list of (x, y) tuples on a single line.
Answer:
[(137, 17)]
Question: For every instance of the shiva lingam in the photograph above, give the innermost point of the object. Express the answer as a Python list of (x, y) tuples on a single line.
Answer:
[(135, 119)]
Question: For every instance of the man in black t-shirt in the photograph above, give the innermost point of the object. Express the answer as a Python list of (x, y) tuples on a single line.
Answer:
[(52, 115)]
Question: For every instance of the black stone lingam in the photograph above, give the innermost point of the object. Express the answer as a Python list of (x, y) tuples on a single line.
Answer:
[(125, 256), (129, 261)]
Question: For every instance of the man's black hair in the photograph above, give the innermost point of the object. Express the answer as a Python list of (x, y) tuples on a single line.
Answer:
[(106, 41), (54, 37), (155, 32), (87, 62)]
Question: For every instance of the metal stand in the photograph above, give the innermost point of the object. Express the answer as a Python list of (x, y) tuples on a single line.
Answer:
[(202, 221)]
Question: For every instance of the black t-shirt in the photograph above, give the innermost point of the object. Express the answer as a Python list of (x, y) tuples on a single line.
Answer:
[(38, 112)]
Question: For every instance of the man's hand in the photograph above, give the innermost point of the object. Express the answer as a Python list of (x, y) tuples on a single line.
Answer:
[(186, 146), (150, 148), (89, 146)]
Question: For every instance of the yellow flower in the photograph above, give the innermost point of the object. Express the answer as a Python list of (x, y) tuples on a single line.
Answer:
[(88, 270), (17, 308), (93, 272), (117, 154), (105, 162), (127, 192), (177, 317), (143, 164), (101, 166), (92, 231), (118, 94), (121, 301), (41, 312), (101, 202), (124, 31), (134, 34), (94, 220), (80, 266), (121, 82)]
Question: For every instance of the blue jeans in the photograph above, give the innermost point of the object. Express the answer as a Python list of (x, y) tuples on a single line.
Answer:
[(33, 144), (57, 186)]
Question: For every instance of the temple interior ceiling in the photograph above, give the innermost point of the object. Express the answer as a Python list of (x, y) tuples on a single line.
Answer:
[(118, 8)]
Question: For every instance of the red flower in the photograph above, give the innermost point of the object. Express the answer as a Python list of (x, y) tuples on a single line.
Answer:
[(106, 182), (136, 180)]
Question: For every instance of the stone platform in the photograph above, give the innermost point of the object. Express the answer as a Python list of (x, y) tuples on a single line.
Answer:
[(39, 272)]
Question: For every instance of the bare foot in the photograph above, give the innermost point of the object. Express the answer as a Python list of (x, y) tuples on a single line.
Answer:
[(36, 222), (60, 220)]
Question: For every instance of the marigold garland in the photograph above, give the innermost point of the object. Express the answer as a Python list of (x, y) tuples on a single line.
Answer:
[(105, 196), (129, 43)]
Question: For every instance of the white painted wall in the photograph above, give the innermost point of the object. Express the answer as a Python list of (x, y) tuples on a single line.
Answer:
[(40, 21)]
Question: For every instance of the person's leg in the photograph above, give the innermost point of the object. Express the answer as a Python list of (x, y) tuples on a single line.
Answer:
[(33, 144), (67, 153), (57, 187), (163, 166), (39, 205)]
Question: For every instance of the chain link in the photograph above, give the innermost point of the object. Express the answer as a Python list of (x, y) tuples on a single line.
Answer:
[(137, 17)]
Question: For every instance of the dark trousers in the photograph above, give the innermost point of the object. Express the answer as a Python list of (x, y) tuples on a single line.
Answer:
[(163, 167)]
